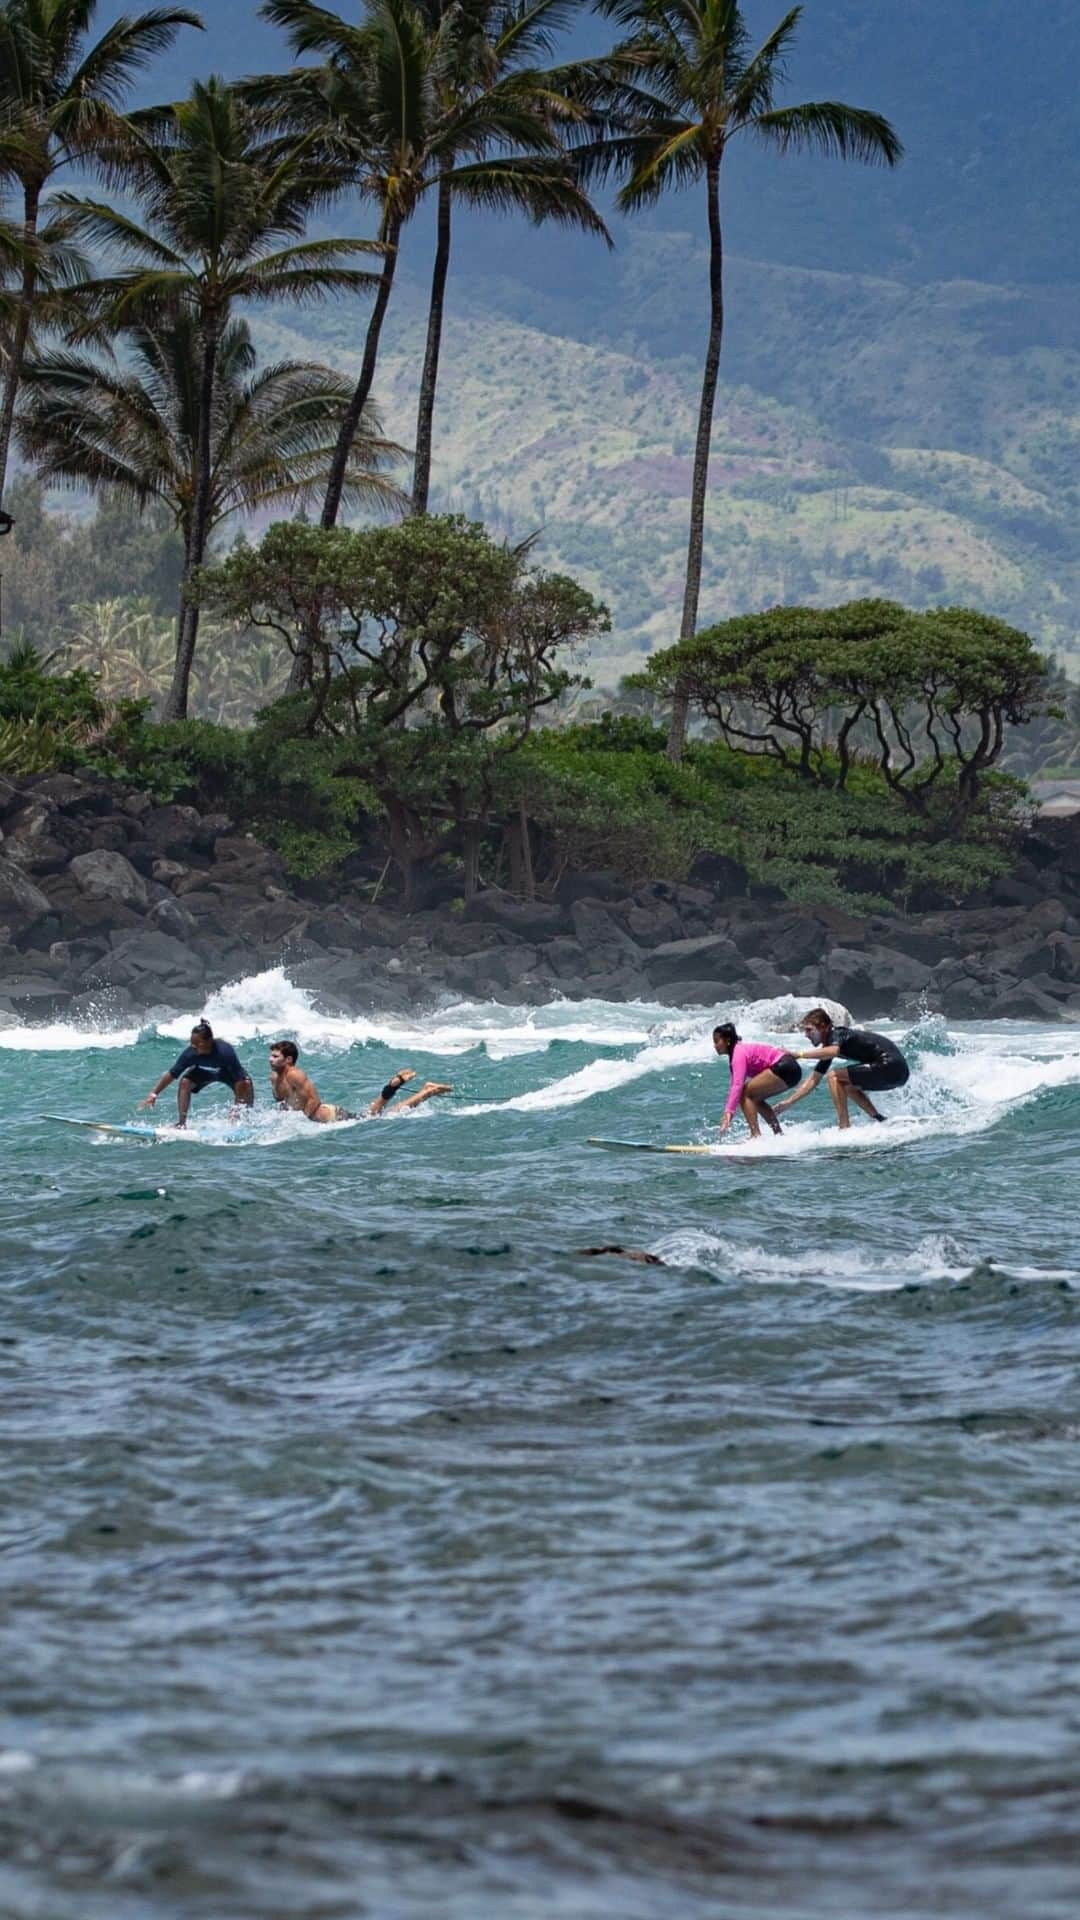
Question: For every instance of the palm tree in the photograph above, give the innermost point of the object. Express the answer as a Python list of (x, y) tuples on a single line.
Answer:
[(486, 65), (219, 194), (59, 102), (133, 428), (425, 93), (684, 83)]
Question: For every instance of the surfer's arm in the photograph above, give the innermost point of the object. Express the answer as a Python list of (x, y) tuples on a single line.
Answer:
[(160, 1088), (806, 1087)]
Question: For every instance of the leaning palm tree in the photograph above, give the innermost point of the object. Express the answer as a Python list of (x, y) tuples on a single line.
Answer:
[(60, 101), (219, 194), (684, 82), (425, 94), (132, 426)]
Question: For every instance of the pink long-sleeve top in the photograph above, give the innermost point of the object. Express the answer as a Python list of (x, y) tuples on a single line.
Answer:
[(748, 1057)]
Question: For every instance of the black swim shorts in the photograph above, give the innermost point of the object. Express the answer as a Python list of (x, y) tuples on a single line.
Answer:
[(879, 1078), (197, 1078), (787, 1069)]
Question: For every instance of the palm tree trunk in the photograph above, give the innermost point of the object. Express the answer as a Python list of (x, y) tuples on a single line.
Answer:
[(199, 533), (700, 482), (335, 485), (389, 232), (19, 336), (430, 376)]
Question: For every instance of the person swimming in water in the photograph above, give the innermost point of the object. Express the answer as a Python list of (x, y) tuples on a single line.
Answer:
[(291, 1087), (877, 1066), (207, 1062), (757, 1070)]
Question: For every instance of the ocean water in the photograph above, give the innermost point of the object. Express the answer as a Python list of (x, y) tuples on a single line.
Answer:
[(368, 1549)]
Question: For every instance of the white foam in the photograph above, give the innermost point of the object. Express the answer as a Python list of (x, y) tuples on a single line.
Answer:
[(934, 1258)]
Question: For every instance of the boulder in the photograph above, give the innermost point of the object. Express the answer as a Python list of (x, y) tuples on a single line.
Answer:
[(108, 875), (475, 974), (148, 959), (20, 900), (169, 833), (711, 958), (1026, 1001), (604, 946), (36, 852), (168, 916), (1065, 948), (34, 997), (527, 919), (653, 925), (168, 872), (68, 794), (603, 885)]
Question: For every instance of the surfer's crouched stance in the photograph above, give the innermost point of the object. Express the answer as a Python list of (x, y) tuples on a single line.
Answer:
[(205, 1063), (877, 1066), (291, 1087), (756, 1072)]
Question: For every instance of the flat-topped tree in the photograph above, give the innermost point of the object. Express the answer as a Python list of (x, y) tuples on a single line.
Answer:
[(923, 698), (439, 649), (61, 101), (681, 86)]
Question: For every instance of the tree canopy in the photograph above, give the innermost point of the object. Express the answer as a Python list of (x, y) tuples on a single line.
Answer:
[(924, 697)]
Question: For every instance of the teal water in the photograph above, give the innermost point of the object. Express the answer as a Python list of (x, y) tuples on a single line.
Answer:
[(367, 1549)]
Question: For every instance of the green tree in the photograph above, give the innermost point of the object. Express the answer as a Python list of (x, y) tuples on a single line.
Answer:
[(684, 83), (487, 85), (133, 428), (421, 97), (60, 100), (924, 697), (218, 194), (438, 650)]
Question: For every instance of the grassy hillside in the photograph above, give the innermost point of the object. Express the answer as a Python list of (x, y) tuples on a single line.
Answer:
[(870, 437)]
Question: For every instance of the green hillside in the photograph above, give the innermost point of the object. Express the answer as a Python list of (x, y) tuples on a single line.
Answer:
[(871, 437)]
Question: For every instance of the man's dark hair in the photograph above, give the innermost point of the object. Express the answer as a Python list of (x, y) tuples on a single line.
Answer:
[(289, 1048), (204, 1030)]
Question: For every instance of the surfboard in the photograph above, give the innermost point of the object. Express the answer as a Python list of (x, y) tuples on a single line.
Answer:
[(134, 1131), (648, 1146)]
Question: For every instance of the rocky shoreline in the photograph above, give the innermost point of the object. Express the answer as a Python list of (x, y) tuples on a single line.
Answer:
[(112, 906)]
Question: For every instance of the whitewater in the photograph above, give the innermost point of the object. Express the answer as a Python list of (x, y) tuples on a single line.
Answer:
[(372, 1546)]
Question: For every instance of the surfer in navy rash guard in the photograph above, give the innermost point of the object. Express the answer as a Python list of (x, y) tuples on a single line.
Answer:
[(207, 1062), (877, 1065)]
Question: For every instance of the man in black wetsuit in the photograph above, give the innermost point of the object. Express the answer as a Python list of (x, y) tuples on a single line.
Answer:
[(877, 1064), (205, 1063)]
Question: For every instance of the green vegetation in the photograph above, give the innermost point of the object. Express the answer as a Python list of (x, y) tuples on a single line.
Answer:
[(426, 756), (684, 84), (923, 698)]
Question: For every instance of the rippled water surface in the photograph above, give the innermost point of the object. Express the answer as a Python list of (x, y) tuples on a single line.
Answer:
[(369, 1549)]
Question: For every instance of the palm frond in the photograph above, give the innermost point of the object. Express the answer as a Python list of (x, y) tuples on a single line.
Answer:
[(825, 126)]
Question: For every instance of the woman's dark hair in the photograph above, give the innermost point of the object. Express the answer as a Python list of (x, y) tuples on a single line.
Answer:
[(727, 1031)]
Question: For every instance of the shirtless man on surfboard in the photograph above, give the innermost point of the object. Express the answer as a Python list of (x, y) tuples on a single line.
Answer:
[(292, 1087)]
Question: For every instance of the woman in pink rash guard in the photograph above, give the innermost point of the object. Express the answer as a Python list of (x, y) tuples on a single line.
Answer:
[(756, 1071)]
